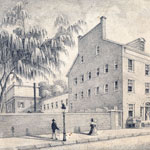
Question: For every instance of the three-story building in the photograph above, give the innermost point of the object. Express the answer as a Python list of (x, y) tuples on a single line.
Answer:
[(109, 74)]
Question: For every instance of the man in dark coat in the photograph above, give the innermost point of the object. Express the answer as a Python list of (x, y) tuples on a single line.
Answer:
[(54, 128), (93, 126)]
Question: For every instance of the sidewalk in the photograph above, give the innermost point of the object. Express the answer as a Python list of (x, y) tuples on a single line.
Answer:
[(45, 141)]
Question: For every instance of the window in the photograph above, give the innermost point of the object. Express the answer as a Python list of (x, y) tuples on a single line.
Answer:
[(71, 106), (106, 68), (82, 60), (66, 102), (147, 88), (82, 78), (75, 81), (115, 85), (141, 111), (131, 110), (82, 94), (61, 102), (56, 104), (52, 106), (97, 90), (89, 92), (47, 106), (76, 96), (130, 65), (115, 65), (130, 85), (97, 50), (147, 70), (21, 105), (89, 75), (97, 73), (106, 88), (44, 107)]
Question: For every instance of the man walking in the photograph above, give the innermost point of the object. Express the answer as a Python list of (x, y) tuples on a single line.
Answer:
[(93, 128), (54, 128)]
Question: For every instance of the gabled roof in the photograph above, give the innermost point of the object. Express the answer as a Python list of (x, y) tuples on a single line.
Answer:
[(72, 65)]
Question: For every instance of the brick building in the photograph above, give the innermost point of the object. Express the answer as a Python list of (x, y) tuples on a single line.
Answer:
[(108, 74), (20, 98), (54, 104)]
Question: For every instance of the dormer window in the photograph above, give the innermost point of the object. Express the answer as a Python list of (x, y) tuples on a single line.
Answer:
[(97, 50)]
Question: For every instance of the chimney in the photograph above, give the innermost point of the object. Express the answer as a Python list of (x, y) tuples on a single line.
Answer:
[(138, 44), (103, 26)]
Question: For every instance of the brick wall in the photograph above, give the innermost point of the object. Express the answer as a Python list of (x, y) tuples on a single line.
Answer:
[(40, 123)]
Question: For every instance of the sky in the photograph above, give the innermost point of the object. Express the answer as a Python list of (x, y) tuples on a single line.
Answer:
[(126, 19)]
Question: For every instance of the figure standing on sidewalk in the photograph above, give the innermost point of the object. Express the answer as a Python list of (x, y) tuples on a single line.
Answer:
[(54, 128), (93, 130)]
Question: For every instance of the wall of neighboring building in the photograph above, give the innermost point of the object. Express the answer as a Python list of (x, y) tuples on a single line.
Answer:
[(35, 124), (109, 53), (20, 98), (137, 98), (54, 104)]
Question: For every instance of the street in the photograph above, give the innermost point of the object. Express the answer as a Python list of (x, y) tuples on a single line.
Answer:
[(132, 143)]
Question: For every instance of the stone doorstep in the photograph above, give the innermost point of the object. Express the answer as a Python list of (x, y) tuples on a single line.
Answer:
[(28, 147)]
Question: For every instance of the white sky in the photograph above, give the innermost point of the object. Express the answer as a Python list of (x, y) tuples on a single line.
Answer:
[(126, 19)]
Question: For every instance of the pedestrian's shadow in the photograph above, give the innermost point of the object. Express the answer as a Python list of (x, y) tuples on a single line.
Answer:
[(38, 137), (84, 133)]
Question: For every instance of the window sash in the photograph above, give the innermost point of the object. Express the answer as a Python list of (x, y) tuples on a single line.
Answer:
[(89, 75), (75, 81), (147, 88), (130, 65), (116, 85), (97, 90), (106, 68), (98, 72), (115, 65), (82, 59), (82, 94), (97, 50), (106, 88), (89, 92), (147, 69)]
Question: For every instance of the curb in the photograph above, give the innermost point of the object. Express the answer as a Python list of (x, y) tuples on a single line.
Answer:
[(28, 147), (81, 141), (39, 146)]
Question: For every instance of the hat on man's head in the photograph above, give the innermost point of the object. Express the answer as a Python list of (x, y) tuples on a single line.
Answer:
[(53, 119)]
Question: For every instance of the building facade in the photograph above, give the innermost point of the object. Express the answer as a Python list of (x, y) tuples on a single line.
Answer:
[(20, 98), (107, 74), (54, 104)]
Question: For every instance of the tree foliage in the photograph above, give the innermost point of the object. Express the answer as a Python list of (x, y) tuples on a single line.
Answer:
[(26, 52), (58, 87)]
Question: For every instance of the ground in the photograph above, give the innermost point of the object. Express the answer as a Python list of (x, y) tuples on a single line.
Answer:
[(121, 139), (132, 143)]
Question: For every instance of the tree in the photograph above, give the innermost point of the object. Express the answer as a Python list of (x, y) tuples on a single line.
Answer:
[(58, 87), (25, 51)]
